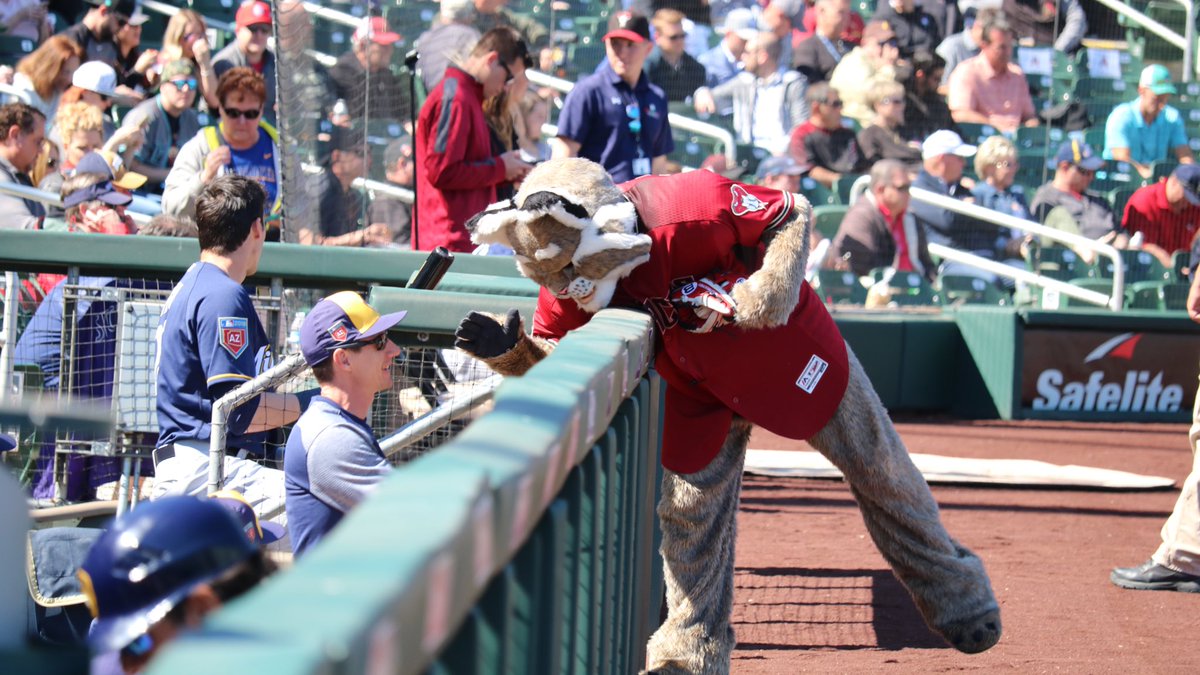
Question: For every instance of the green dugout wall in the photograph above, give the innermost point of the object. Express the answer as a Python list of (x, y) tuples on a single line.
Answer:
[(988, 362)]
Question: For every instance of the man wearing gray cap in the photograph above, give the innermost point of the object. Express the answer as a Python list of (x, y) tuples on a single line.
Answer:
[(450, 39), (781, 173)]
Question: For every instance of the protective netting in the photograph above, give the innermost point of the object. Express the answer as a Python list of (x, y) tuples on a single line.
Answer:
[(93, 340)]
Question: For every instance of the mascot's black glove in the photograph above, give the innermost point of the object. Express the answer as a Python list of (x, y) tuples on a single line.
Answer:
[(483, 336)]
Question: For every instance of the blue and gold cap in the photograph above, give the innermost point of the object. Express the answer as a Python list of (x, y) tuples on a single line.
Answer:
[(1075, 151), (340, 321), (150, 559), (258, 532)]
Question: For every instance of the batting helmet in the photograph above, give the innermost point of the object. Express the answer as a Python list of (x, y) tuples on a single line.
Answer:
[(151, 559)]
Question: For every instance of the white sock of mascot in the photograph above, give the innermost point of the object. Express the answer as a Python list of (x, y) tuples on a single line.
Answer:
[(742, 340)]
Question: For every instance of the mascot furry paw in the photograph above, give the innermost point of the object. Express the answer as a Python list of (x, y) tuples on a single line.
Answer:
[(771, 356)]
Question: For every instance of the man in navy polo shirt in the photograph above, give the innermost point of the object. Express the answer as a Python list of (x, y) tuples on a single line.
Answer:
[(332, 460), (210, 341), (616, 117)]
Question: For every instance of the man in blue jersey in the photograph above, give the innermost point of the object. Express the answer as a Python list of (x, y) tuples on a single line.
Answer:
[(332, 460), (210, 341), (617, 117)]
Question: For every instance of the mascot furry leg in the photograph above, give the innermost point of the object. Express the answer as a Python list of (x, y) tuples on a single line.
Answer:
[(698, 514)]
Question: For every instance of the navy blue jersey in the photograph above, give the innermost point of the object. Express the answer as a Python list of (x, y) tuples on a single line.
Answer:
[(615, 124), (209, 341)]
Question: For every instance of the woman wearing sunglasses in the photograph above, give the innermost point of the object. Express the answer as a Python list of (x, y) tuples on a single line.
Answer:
[(242, 143)]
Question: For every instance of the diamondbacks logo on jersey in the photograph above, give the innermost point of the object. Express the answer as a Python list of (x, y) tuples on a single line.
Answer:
[(233, 332), (744, 202), (339, 332)]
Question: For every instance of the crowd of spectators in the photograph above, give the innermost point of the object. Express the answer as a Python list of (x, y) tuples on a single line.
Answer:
[(834, 88)]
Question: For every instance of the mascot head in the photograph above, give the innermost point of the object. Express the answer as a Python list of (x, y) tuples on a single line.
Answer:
[(571, 229)]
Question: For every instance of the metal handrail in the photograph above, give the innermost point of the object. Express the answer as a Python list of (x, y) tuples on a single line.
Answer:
[(1001, 269), (171, 10), (1187, 44), (1115, 302), (223, 407), (26, 192), (332, 15), (677, 121)]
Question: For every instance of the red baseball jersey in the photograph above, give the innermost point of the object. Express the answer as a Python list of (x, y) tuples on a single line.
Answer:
[(788, 380)]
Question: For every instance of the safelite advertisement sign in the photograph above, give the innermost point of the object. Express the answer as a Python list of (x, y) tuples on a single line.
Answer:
[(1113, 375)]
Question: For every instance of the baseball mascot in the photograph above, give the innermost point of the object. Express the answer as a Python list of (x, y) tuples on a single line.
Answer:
[(743, 340)]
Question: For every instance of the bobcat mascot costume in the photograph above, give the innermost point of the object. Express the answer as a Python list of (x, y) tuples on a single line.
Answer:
[(742, 340)]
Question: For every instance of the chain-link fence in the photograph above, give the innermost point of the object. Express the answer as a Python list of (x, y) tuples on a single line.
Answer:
[(93, 339)]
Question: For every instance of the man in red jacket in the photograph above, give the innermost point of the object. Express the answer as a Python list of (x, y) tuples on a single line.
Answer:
[(457, 171)]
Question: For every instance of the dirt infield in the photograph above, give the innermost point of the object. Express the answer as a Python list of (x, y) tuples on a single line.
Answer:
[(814, 596)]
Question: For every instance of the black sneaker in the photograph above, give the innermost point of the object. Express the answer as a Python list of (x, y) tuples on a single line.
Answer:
[(1150, 576)]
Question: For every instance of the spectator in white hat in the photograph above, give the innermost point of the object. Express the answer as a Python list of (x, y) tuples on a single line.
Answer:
[(95, 83), (724, 61), (943, 157)]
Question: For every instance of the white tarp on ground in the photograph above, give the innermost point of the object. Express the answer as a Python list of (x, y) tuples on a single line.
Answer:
[(938, 469)]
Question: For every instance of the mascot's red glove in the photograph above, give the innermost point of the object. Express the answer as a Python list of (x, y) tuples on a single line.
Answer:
[(703, 305)]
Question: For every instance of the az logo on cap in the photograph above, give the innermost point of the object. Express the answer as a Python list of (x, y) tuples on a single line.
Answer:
[(339, 332)]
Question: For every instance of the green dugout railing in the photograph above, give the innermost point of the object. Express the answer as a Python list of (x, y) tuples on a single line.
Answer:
[(527, 544), (292, 264)]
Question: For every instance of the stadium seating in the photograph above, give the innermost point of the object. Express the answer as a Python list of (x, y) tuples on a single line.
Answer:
[(963, 289), (1158, 295), (817, 194), (1180, 261), (839, 288), (908, 288), (13, 48), (827, 218), (1099, 285), (841, 187), (1056, 262), (1139, 266), (1118, 197)]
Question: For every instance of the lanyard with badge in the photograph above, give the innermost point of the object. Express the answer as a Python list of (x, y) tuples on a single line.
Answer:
[(641, 164)]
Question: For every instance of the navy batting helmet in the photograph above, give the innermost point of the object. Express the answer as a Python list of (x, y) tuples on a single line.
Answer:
[(151, 559)]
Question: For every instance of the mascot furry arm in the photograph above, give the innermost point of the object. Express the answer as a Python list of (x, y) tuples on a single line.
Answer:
[(575, 234)]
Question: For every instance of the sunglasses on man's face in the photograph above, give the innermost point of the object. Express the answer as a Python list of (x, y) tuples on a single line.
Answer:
[(259, 29), (184, 85), (508, 73), (234, 113), (380, 342)]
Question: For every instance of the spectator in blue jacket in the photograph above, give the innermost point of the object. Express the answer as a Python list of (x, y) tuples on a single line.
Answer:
[(724, 61)]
